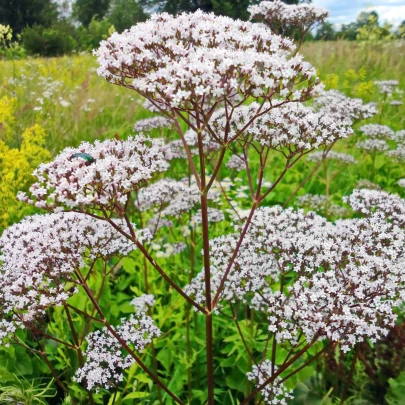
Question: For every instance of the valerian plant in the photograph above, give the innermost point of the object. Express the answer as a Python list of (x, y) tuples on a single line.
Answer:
[(226, 88)]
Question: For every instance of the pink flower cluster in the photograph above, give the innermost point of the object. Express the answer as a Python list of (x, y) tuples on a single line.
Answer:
[(39, 256), (348, 275), (98, 176), (181, 62), (281, 16)]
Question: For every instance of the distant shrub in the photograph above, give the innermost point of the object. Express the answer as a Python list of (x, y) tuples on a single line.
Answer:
[(56, 40), (90, 38)]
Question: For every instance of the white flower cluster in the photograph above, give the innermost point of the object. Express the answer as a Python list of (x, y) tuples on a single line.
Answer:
[(175, 150), (99, 176), (377, 131), (143, 302), (171, 197), (275, 393), (255, 264), (152, 107), (367, 202), (398, 154), (400, 136), (182, 60), (236, 162), (40, 254), (321, 203), (396, 102), (159, 193), (277, 14), (290, 126), (105, 361), (214, 215), (148, 124), (332, 155), (401, 183), (7, 330), (343, 109), (364, 183), (209, 143), (348, 276), (167, 249), (386, 86), (373, 145)]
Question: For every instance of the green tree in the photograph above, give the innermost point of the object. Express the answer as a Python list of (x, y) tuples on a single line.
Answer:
[(325, 32), (401, 30), (59, 39), (85, 10), (232, 8), (124, 14), (90, 38), (19, 14), (370, 30), (348, 31)]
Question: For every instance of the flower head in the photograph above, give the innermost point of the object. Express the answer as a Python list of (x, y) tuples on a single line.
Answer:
[(373, 145), (377, 131), (332, 155), (105, 361), (181, 61), (343, 109), (40, 255), (99, 176), (290, 128), (283, 16)]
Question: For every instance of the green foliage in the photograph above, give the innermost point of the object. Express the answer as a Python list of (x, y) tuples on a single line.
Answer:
[(396, 391), (86, 10), (401, 30), (19, 14), (325, 32), (235, 9), (370, 30), (90, 37), (124, 14), (52, 41), (9, 48), (23, 392)]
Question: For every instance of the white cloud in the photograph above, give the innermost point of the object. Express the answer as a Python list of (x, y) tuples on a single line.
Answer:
[(346, 11)]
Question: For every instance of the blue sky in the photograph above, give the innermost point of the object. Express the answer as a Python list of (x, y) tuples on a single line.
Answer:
[(345, 11)]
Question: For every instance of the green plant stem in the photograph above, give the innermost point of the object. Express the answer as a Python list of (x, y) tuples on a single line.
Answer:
[(373, 157), (88, 323), (382, 109)]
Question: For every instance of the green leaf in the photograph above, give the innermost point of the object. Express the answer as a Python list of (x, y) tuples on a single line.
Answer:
[(114, 398), (143, 378), (135, 395)]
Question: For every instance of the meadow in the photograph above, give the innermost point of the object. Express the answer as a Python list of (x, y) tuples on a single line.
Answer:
[(47, 105)]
